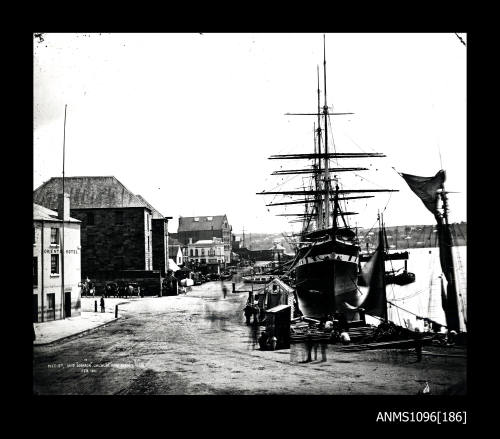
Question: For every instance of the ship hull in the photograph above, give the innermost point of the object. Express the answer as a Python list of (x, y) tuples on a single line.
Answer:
[(326, 278)]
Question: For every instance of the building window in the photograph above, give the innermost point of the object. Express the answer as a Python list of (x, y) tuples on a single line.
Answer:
[(35, 271), (118, 217), (191, 252), (54, 236), (202, 252), (196, 252), (54, 264), (34, 235), (90, 218), (148, 243)]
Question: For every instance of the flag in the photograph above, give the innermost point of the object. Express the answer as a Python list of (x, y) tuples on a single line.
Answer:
[(426, 188)]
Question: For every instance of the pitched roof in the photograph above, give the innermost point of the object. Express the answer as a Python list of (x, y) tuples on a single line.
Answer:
[(42, 213), (173, 241), (154, 212), (87, 193), (188, 223), (174, 249)]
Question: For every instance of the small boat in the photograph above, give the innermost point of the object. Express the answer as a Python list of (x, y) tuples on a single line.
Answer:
[(403, 278), (257, 279), (391, 277)]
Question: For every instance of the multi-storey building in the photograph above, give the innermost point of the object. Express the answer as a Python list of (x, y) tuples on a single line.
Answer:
[(199, 228), (116, 225), (159, 228), (56, 263), (207, 255)]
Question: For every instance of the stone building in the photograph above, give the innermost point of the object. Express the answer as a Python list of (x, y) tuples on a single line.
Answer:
[(199, 228), (160, 238), (116, 225), (56, 234)]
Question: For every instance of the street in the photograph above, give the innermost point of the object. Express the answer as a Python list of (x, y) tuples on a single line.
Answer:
[(198, 343)]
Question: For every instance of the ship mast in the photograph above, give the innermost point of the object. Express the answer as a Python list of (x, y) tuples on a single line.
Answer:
[(326, 165), (452, 313), (322, 193), (319, 204)]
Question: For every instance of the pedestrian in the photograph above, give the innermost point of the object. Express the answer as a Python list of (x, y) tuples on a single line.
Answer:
[(272, 342), (130, 290), (323, 350), (224, 289), (256, 312), (263, 341), (335, 336), (102, 303), (418, 344), (344, 326), (309, 346), (452, 337), (248, 313), (344, 337)]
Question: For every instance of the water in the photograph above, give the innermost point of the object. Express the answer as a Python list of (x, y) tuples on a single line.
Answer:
[(423, 297)]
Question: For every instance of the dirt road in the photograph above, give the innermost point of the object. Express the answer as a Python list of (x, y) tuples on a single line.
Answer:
[(198, 343)]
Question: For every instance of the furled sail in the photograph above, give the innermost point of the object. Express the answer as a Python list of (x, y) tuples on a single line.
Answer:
[(428, 190), (375, 302)]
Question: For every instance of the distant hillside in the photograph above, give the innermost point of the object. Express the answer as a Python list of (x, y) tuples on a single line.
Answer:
[(401, 237), (414, 236)]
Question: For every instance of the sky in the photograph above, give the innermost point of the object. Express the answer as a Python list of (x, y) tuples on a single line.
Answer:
[(189, 120)]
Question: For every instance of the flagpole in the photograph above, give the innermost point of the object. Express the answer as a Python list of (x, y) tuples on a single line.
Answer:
[(63, 308)]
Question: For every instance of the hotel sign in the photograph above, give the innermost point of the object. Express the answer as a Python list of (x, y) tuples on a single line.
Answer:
[(56, 251)]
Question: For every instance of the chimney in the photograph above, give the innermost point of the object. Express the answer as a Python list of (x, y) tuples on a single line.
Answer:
[(63, 207), (190, 240)]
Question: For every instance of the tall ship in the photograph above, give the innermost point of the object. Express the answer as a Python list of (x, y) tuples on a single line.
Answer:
[(327, 252)]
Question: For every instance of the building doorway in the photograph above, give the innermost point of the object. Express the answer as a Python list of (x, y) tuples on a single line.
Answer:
[(35, 308), (51, 306), (67, 304)]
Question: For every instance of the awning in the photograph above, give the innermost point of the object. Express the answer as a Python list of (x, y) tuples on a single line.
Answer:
[(172, 265)]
